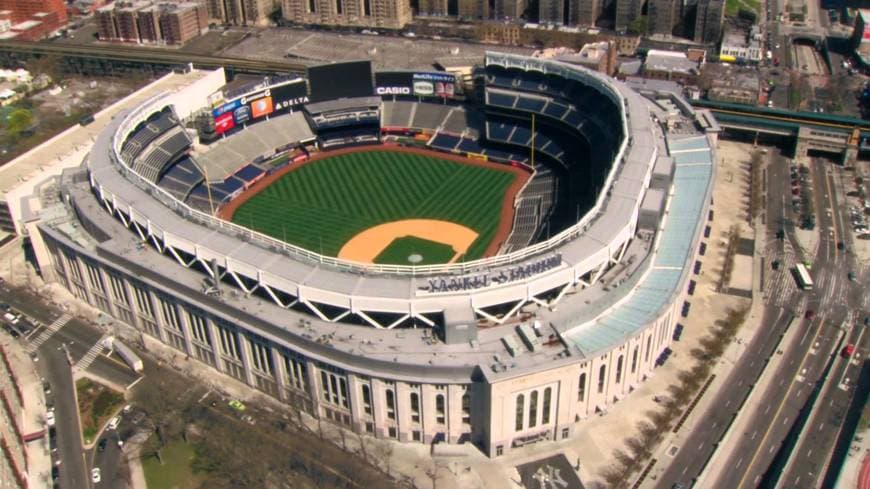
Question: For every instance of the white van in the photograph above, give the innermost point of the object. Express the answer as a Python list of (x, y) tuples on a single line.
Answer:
[(114, 422)]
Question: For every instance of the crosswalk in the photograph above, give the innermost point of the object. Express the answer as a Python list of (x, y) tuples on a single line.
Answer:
[(92, 354), (47, 332)]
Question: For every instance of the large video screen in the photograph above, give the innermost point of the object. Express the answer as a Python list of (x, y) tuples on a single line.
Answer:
[(255, 105), (419, 84), (340, 80)]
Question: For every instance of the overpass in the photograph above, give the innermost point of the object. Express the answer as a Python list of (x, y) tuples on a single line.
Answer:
[(811, 131), (119, 59)]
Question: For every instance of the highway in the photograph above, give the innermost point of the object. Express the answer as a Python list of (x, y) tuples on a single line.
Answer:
[(808, 462), (803, 359), (781, 403)]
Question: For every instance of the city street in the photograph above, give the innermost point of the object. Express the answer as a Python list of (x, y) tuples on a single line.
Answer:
[(76, 337), (802, 361)]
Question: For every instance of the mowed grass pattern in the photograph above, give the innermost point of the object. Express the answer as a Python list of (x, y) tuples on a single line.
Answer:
[(322, 205)]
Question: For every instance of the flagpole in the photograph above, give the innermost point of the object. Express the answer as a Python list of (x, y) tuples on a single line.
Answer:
[(533, 140)]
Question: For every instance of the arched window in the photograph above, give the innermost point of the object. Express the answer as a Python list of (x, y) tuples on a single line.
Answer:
[(391, 404), (521, 401), (415, 407), (619, 369), (466, 407), (648, 348), (533, 409), (601, 372), (634, 361), (440, 417), (367, 399), (545, 414), (581, 389)]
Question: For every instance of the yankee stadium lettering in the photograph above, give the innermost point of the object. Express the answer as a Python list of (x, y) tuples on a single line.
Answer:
[(520, 272)]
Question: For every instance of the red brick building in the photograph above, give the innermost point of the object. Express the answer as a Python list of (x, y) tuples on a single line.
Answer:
[(51, 15)]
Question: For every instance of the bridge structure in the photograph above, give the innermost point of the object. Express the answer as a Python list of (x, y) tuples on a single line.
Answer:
[(811, 132), (117, 59)]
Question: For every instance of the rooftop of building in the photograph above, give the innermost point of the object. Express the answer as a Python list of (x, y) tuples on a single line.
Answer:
[(670, 61)]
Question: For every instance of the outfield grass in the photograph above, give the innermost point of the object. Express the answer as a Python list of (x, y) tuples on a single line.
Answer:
[(176, 472), (322, 205), (400, 249)]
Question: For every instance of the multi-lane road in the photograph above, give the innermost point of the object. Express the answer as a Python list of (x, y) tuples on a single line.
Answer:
[(57, 352), (835, 300)]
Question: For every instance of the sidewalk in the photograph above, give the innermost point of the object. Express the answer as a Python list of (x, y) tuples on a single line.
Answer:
[(32, 416)]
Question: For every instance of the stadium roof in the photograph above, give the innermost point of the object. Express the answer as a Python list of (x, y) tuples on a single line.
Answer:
[(692, 181)]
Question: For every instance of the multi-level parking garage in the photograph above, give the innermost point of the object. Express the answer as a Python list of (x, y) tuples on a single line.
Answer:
[(502, 351)]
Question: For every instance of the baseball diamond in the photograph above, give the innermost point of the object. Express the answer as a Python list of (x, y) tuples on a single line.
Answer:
[(324, 204)]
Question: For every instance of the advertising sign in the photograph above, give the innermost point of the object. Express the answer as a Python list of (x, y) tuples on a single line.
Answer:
[(419, 84), (227, 107), (261, 107), (424, 88), (224, 123), (242, 114)]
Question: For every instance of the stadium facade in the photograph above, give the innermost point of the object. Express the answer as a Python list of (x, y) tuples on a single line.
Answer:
[(501, 352)]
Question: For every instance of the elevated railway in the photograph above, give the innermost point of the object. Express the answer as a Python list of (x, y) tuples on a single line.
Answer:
[(110, 59)]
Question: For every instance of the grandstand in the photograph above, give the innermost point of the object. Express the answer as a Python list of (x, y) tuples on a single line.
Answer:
[(398, 113), (534, 206), (147, 132), (181, 178), (261, 139), (161, 152)]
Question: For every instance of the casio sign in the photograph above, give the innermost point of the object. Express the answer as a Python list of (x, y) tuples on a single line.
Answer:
[(393, 90)]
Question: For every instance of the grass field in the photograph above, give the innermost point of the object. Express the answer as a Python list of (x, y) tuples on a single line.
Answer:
[(176, 471), (322, 205), (430, 252)]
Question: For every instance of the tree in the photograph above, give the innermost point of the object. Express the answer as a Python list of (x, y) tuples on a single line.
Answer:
[(19, 121), (638, 25)]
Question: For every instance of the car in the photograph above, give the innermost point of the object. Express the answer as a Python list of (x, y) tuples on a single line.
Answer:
[(96, 476), (49, 418), (114, 422), (46, 387), (810, 314), (55, 473), (237, 405), (852, 276), (775, 264), (848, 350), (120, 442), (127, 408), (867, 321), (841, 245), (101, 446)]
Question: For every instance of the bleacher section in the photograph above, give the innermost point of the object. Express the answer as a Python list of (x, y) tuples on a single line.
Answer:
[(533, 209), (181, 178), (261, 139), (161, 152), (147, 132), (398, 114), (430, 116)]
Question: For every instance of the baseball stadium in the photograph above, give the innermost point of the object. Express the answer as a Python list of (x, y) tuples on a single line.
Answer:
[(487, 257)]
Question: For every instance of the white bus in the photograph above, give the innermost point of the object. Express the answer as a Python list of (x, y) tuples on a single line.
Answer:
[(803, 276)]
